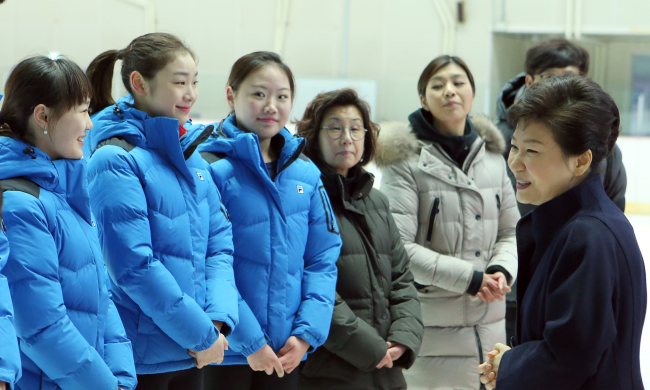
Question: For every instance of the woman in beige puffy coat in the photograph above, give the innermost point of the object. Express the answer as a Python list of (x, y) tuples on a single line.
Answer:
[(455, 208)]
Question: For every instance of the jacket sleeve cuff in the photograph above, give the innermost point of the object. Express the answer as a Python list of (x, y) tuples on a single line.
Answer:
[(493, 269), (475, 283), (209, 341), (311, 340), (255, 347)]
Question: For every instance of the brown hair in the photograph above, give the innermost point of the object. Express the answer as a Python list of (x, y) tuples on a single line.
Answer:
[(310, 125), (437, 64), (147, 54), (578, 112), (249, 63), (556, 53), (59, 84)]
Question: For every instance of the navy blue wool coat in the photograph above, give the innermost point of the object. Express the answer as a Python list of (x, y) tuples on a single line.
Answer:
[(581, 297)]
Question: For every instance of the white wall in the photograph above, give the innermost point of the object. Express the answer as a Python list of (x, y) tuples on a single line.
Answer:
[(389, 41)]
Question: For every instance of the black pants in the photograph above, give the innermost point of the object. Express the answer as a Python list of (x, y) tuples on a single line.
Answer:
[(190, 379), (242, 377)]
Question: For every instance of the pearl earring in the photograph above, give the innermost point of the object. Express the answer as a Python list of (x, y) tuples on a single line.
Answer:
[(45, 130)]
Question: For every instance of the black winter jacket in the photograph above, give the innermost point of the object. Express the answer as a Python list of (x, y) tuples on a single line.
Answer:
[(375, 302), (581, 298)]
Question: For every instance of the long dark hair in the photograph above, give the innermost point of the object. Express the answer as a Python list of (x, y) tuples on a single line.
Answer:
[(147, 54), (59, 84)]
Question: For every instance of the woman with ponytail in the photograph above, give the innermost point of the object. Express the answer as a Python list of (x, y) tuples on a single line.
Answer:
[(69, 330), (166, 237)]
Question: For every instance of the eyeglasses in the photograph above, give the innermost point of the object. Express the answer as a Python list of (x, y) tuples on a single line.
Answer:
[(335, 131)]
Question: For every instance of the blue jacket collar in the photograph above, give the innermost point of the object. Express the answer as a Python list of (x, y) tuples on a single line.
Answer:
[(67, 177), (233, 142), (159, 134)]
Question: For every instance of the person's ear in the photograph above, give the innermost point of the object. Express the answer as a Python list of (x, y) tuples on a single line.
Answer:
[(41, 115), (582, 163), (138, 83), (529, 80), (423, 102), (230, 97)]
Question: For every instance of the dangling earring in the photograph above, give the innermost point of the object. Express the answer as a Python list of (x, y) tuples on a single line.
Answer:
[(45, 130)]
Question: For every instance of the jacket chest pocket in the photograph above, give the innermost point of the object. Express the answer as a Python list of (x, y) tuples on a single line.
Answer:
[(435, 210)]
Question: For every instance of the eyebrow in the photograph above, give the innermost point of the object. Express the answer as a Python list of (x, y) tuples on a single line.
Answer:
[(265, 87), (336, 118), (453, 76), (181, 73), (529, 141)]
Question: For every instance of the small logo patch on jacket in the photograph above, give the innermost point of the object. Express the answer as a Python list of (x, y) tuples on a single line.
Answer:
[(300, 190), (200, 176)]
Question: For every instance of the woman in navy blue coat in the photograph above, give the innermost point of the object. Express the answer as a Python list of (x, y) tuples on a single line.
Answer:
[(582, 289), (69, 331)]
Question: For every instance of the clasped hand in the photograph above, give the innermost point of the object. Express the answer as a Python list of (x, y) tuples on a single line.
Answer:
[(287, 359), (494, 286), (490, 369)]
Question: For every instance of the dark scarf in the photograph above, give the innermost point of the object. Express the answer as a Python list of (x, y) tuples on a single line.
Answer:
[(457, 147)]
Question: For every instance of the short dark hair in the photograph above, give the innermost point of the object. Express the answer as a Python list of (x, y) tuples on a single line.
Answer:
[(576, 109), (58, 83), (556, 53), (437, 64), (249, 63), (147, 54), (310, 125)]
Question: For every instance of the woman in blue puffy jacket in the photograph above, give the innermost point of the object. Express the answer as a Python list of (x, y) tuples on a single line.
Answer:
[(69, 331), (285, 235), (9, 356), (166, 238)]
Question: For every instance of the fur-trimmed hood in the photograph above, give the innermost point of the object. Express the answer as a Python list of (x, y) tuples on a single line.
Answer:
[(397, 140)]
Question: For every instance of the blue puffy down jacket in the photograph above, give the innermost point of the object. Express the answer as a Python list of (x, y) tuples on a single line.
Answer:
[(9, 356), (286, 240), (166, 239), (69, 331)]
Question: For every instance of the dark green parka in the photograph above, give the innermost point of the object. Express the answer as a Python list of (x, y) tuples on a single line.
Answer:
[(375, 302)]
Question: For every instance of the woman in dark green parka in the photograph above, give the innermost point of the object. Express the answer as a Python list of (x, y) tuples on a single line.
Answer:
[(376, 328)]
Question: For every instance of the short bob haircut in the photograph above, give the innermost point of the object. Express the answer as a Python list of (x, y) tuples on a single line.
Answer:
[(579, 113), (310, 125), (556, 53), (439, 63)]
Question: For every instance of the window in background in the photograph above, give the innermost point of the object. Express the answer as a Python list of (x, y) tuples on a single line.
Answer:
[(640, 123)]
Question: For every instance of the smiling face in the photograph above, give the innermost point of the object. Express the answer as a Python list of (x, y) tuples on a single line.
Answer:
[(66, 139), (343, 153), (449, 94), (173, 91), (262, 103), (542, 170)]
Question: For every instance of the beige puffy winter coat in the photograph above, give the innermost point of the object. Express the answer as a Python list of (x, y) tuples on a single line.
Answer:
[(453, 221)]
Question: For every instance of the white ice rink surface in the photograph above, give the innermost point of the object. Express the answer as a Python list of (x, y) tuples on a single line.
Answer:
[(641, 225)]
